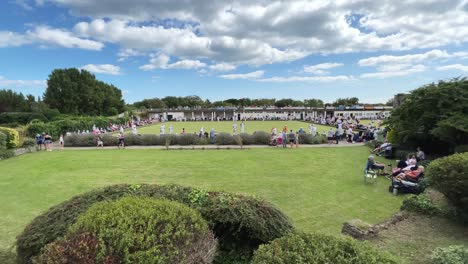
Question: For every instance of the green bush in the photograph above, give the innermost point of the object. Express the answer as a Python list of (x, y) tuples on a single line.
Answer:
[(450, 255), (306, 139), (139, 230), (12, 140), (461, 149), (6, 154), (247, 139), (149, 139), (20, 117), (318, 248), (261, 138), (319, 139), (3, 140), (449, 176), (225, 139), (240, 223), (421, 204), (29, 143)]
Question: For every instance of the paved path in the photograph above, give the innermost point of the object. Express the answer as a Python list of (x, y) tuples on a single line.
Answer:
[(341, 145)]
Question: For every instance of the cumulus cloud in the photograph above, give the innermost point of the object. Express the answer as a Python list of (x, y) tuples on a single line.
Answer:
[(7, 83), (404, 59), (321, 68), (244, 76), (102, 68), (402, 71), (48, 36), (161, 61), (308, 79), (458, 67), (222, 67)]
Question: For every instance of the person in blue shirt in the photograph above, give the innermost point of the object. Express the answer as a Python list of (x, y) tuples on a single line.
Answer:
[(39, 141)]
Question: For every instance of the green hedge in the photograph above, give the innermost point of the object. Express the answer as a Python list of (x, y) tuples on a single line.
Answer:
[(449, 176), (21, 117), (135, 230), (318, 249), (450, 255), (12, 140), (240, 223)]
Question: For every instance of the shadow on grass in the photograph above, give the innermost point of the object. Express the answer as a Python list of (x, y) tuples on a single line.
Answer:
[(7, 256)]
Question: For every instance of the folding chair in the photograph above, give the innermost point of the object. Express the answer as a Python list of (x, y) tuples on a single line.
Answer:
[(370, 176)]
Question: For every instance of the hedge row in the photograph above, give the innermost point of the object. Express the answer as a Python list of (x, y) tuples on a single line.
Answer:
[(258, 138), (12, 137), (4, 152), (21, 117), (240, 223)]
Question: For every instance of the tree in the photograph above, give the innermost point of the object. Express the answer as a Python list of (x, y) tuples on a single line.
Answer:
[(434, 116), (346, 101), (313, 103), (74, 91), (288, 102), (11, 101)]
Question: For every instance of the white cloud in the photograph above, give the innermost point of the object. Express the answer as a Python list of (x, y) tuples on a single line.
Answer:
[(404, 59), (23, 4), (245, 76), (6, 83), (222, 67), (102, 68), (161, 61), (126, 53), (48, 36), (459, 67), (308, 79), (321, 68), (396, 73)]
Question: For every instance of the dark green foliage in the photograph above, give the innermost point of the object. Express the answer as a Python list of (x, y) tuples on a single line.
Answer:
[(224, 139), (421, 204), (29, 143), (318, 249), (346, 101), (450, 255), (319, 139), (461, 149), (140, 230), (449, 175), (261, 138), (70, 124), (74, 91), (3, 140), (20, 117), (240, 223), (6, 154), (11, 101), (434, 117), (306, 138), (247, 139)]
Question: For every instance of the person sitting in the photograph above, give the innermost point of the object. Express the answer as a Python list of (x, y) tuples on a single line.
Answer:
[(412, 175), (420, 155), (373, 165), (381, 148)]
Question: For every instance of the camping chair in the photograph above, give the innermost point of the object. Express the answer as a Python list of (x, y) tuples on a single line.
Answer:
[(370, 176)]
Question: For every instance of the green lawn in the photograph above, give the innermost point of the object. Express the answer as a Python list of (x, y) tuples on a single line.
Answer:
[(226, 126), (319, 188)]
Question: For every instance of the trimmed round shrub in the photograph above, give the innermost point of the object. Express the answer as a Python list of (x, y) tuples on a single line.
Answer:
[(318, 249), (306, 139), (149, 139), (319, 139), (186, 139), (12, 137), (461, 149), (261, 138), (449, 175), (225, 139), (135, 230), (3, 140), (240, 223), (247, 139), (6, 154), (450, 255)]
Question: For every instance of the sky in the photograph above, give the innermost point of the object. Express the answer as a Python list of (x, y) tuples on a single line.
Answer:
[(219, 49)]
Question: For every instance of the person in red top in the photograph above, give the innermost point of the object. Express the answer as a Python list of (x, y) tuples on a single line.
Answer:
[(411, 175)]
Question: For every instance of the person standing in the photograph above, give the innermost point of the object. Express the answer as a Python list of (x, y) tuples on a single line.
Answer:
[(121, 140), (48, 142), (292, 138), (314, 130), (183, 130), (39, 141), (234, 128), (121, 129), (285, 140), (134, 129), (243, 127), (61, 142), (420, 155), (212, 135), (297, 139), (162, 129), (171, 129), (330, 135), (100, 142)]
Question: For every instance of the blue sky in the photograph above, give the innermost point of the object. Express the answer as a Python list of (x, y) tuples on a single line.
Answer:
[(233, 49)]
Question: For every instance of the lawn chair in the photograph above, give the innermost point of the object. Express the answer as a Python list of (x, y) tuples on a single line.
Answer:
[(370, 176)]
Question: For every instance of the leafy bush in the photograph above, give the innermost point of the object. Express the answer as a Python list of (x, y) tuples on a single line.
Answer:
[(318, 248), (319, 139), (421, 204), (239, 222), (20, 117), (306, 139), (461, 149), (138, 230), (450, 255), (133, 140), (261, 138), (149, 139), (449, 176), (12, 137), (225, 139), (186, 139), (29, 143), (3, 140), (6, 154), (402, 154), (247, 139)]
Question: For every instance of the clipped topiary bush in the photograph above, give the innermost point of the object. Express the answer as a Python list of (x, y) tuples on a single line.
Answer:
[(247, 139), (449, 176), (3, 140), (319, 139), (318, 249), (224, 139), (450, 255), (240, 223), (136, 230), (261, 138), (12, 137)]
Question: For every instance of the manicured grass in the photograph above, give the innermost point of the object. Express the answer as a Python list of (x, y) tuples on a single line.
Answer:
[(226, 126), (319, 188)]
